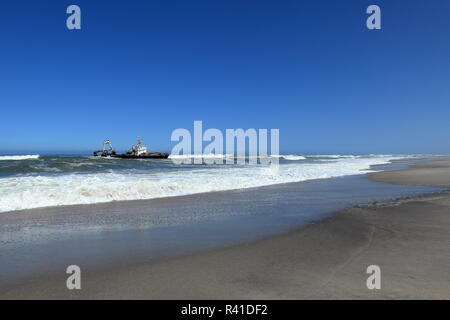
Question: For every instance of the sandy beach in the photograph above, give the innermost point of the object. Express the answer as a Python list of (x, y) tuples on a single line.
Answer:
[(408, 238)]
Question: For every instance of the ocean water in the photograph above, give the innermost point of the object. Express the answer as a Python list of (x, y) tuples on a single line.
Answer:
[(35, 181), (47, 239)]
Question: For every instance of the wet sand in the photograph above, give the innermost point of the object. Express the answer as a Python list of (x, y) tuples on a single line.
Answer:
[(409, 239)]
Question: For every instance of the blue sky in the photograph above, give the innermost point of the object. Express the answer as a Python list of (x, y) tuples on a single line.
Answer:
[(310, 68)]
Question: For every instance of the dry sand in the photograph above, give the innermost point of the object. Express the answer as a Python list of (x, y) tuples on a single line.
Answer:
[(408, 239)]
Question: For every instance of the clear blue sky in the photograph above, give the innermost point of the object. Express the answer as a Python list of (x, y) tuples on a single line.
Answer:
[(310, 68)]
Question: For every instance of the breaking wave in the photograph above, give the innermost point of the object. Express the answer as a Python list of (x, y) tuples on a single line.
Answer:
[(199, 156), (24, 157), (223, 156), (26, 192), (293, 157)]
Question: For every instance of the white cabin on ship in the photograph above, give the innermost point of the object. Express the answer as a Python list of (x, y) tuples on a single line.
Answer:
[(139, 149)]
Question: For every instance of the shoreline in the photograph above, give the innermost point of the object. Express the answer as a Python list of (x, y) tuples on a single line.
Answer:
[(323, 260)]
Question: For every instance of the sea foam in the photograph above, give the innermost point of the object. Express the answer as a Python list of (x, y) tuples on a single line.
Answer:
[(24, 157), (293, 157), (26, 192)]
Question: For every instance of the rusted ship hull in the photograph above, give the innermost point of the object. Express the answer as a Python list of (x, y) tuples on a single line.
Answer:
[(152, 155), (138, 151)]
